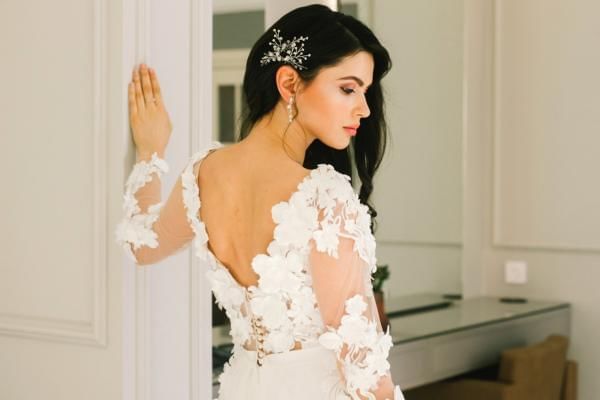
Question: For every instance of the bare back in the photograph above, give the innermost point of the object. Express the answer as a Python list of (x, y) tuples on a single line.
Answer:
[(238, 189)]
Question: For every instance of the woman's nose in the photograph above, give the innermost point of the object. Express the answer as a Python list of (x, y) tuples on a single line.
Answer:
[(363, 107)]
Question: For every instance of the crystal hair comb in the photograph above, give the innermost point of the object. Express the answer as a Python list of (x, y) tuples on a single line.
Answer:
[(289, 52)]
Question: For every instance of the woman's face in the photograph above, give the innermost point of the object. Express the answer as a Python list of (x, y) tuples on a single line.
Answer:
[(334, 102)]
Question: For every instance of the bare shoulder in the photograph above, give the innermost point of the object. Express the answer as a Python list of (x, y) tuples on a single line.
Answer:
[(215, 162), (246, 167)]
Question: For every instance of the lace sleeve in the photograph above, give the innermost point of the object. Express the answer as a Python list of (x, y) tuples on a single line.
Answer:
[(151, 230), (341, 260)]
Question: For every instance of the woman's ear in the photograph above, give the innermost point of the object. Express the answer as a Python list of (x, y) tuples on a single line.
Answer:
[(287, 81)]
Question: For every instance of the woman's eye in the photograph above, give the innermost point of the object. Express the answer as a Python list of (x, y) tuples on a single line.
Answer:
[(347, 90)]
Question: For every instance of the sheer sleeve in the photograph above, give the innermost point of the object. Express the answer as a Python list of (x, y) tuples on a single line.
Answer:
[(151, 230), (341, 260)]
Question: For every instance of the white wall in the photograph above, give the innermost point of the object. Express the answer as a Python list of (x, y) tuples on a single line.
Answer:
[(77, 319), (522, 94), (60, 298), (532, 169)]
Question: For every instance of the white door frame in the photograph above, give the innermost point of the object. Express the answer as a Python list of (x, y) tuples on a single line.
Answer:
[(167, 340)]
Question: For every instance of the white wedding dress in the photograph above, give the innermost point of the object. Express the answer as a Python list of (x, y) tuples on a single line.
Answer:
[(310, 328)]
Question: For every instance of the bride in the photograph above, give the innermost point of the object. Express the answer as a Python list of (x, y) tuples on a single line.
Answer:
[(287, 243)]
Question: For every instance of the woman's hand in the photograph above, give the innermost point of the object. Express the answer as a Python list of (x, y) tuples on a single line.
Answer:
[(148, 117)]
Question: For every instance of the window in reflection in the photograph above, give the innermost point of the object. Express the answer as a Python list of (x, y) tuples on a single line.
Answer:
[(227, 113)]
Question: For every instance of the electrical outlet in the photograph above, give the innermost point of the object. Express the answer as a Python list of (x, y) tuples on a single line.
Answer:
[(515, 272)]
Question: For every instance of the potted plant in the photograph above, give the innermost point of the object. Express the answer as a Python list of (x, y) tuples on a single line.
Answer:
[(380, 276)]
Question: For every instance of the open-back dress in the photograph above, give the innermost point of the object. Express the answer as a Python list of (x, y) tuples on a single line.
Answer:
[(309, 329)]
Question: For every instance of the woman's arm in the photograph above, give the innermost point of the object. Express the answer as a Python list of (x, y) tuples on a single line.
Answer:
[(340, 266), (150, 231)]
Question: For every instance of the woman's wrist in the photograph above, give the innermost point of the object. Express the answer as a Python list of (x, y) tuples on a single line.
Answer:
[(147, 155)]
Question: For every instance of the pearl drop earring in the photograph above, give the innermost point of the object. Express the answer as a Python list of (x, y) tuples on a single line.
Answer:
[(289, 109)]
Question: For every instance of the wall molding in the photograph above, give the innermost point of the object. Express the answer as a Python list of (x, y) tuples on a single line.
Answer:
[(91, 332), (201, 131), (418, 243), (233, 6), (143, 295)]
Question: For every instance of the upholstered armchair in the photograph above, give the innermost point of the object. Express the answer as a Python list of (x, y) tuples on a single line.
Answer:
[(537, 372)]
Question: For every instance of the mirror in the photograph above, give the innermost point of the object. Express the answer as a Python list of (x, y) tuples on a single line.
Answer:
[(418, 189)]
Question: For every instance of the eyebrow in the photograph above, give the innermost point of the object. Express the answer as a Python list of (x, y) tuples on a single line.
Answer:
[(354, 78)]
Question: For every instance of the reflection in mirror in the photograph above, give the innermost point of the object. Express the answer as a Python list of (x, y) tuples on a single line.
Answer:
[(418, 189)]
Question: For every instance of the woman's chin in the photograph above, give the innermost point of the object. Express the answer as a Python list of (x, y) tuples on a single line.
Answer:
[(338, 143)]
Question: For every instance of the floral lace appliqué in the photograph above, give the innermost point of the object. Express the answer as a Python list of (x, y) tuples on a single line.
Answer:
[(136, 227), (191, 200), (367, 350), (343, 215)]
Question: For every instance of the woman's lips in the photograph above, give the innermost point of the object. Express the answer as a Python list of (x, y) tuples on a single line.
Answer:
[(350, 131)]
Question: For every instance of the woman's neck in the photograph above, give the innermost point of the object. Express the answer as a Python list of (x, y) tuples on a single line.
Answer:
[(270, 131)]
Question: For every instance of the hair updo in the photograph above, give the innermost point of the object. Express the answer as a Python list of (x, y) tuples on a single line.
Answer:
[(332, 36)]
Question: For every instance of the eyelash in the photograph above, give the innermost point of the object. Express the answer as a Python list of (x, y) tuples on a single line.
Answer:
[(349, 91)]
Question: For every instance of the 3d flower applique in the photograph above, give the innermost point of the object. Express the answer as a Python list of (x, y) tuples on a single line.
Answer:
[(294, 223), (239, 331), (385, 343), (355, 305), (303, 313), (273, 276), (365, 360), (135, 230), (276, 249), (354, 330), (309, 185), (331, 340), (327, 238), (230, 297), (356, 225), (378, 364), (331, 185), (280, 340), (227, 291), (271, 308), (294, 263), (359, 379), (191, 201), (143, 170)]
